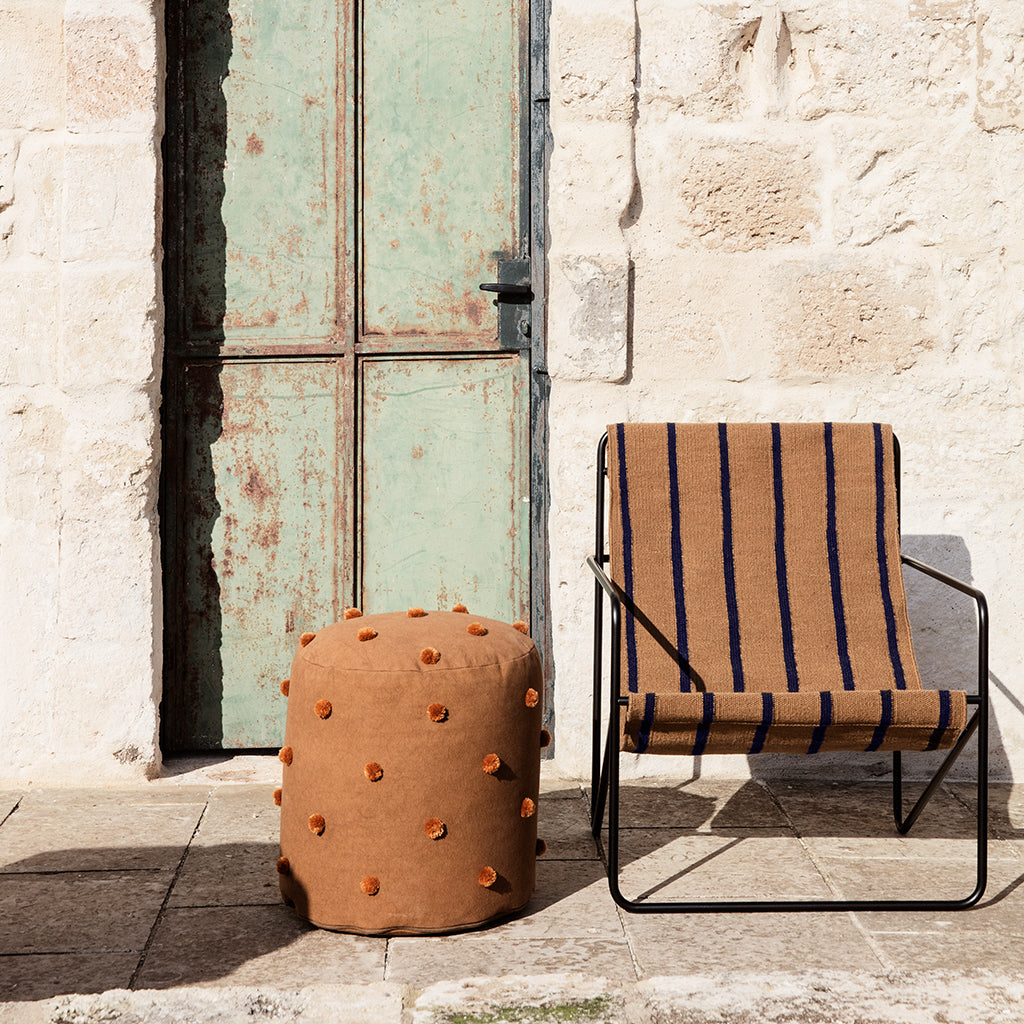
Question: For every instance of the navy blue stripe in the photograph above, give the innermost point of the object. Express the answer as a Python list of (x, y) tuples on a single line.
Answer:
[(700, 741), (945, 714), (818, 737), (728, 563), (767, 716), (643, 738), (832, 543), (677, 559), (627, 560), (884, 722), (883, 562), (781, 575)]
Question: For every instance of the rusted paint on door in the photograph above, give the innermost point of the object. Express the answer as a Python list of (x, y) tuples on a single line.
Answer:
[(445, 508), (323, 263)]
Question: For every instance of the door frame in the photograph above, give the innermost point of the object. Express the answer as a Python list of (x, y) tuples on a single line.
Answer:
[(535, 143)]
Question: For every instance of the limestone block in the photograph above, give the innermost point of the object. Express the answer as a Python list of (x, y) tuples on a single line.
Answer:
[(33, 227), (592, 182), (10, 143), (33, 428), (591, 294), (726, 194), (1000, 75), (111, 198), (31, 55), (112, 75), (887, 58), (110, 327), (691, 55), (697, 319), (897, 180), (106, 577), (593, 59), (852, 319), (29, 325)]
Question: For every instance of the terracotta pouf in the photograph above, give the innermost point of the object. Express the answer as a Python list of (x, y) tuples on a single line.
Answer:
[(411, 773)]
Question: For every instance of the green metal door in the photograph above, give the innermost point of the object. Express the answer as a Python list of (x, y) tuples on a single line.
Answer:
[(347, 414)]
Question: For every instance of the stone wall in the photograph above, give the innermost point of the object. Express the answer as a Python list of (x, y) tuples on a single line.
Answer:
[(81, 97), (796, 210), (783, 210)]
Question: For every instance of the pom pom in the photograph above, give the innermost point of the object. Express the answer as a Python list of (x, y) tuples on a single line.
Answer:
[(491, 764), (306, 638), (416, 613), (435, 828), (461, 609), (476, 629), (285, 686), (487, 877), (373, 771), (370, 885), (545, 738), (283, 866), (437, 712), (352, 613), (542, 847), (522, 627), (430, 655), (317, 824), (532, 698), (323, 708), (285, 755), (277, 796), (526, 811), (367, 633)]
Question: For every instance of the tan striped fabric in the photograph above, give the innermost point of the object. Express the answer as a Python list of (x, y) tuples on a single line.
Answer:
[(765, 609)]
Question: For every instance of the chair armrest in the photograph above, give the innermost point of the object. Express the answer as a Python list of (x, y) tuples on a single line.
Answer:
[(610, 587), (982, 605)]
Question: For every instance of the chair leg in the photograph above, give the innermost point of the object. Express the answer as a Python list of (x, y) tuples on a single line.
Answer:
[(599, 793)]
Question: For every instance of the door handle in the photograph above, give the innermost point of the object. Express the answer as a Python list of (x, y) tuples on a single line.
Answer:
[(514, 293)]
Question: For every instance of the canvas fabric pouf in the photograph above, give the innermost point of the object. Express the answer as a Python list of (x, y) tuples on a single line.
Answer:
[(411, 773)]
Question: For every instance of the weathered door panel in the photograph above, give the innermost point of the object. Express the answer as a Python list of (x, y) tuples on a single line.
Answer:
[(445, 504), (441, 101), (261, 118), (261, 541)]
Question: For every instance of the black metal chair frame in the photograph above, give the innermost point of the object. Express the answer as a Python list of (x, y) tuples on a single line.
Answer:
[(605, 770)]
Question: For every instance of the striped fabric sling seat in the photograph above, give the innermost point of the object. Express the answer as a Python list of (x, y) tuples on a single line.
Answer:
[(764, 607)]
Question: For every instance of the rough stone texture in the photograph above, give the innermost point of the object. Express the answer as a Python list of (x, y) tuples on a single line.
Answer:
[(80, 312), (823, 223)]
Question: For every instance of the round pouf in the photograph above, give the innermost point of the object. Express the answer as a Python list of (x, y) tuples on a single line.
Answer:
[(411, 773)]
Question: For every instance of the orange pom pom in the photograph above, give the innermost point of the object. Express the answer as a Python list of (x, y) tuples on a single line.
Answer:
[(487, 877), (522, 627), (352, 613), (476, 629), (416, 613), (542, 847), (317, 824), (435, 828), (306, 638), (430, 655), (283, 866), (323, 708), (277, 796), (367, 633), (437, 712), (491, 764), (545, 738), (526, 811), (285, 755), (285, 686), (370, 885), (461, 609), (532, 698), (373, 771)]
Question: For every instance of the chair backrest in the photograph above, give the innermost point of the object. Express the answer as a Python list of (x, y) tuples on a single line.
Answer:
[(761, 557)]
